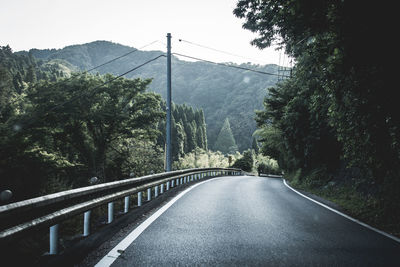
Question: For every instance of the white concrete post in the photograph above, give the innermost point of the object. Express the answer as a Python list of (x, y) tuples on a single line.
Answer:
[(168, 185), (172, 183), (162, 189), (54, 239), (86, 223)]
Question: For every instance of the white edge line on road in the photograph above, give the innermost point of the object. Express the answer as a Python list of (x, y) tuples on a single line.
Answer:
[(344, 215), (114, 254)]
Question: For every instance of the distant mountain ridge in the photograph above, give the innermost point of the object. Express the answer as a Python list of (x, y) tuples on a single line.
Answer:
[(221, 92)]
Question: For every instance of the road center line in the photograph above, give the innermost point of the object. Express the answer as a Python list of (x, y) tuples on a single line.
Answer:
[(116, 251), (344, 215)]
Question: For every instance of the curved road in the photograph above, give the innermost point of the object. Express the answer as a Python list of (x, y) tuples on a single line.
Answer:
[(255, 221)]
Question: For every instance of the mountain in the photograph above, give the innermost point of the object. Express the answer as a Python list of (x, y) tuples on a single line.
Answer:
[(222, 92)]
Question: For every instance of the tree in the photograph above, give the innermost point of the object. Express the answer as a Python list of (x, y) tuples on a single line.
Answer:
[(331, 41), (86, 113), (340, 106), (225, 140), (245, 162), (255, 146)]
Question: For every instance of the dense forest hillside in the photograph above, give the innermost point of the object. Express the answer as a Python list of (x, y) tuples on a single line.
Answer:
[(222, 92), (59, 128)]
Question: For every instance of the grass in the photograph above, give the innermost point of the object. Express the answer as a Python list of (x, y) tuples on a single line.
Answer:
[(366, 208)]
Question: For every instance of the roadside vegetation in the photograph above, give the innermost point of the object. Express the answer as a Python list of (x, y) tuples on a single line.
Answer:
[(333, 123)]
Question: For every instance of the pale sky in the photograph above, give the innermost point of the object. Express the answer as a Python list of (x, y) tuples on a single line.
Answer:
[(27, 24)]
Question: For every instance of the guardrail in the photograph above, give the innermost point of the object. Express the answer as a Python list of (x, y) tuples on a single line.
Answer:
[(20, 218), (270, 175)]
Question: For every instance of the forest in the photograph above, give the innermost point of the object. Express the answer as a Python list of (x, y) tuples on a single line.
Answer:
[(334, 125), (60, 127), (235, 93)]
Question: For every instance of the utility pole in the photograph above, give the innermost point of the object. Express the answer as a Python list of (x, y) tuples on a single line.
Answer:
[(168, 141)]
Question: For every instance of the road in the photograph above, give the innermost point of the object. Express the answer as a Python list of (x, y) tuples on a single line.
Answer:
[(255, 221)]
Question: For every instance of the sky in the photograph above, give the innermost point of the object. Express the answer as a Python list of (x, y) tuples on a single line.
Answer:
[(42, 24)]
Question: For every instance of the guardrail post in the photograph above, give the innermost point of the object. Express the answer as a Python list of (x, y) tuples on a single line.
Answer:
[(172, 183), (184, 179), (110, 212), (162, 189), (148, 194), (126, 204), (53, 239), (156, 191), (86, 223), (168, 185), (139, 199), (181, 180)]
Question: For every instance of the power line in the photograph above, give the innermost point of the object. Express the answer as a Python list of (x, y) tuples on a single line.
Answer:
[(217, 50), (124, 55), (107, 82), (230, 66)]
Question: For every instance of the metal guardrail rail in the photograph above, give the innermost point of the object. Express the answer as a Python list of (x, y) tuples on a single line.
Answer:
[(20, 218)]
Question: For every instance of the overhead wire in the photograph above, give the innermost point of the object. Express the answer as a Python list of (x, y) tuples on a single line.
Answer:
[(227, 65), (121, 56), (218, 50)]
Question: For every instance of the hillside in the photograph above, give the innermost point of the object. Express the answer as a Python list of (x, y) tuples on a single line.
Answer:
[(221, 92)]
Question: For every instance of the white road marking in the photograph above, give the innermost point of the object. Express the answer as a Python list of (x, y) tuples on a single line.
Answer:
[(116, 251), (344, 215)]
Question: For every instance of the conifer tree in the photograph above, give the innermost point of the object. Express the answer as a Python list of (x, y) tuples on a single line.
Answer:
[(225, 141)]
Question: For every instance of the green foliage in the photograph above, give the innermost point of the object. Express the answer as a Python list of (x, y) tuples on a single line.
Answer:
[(339, 107), (219, 91), (266, 165), (58, 132), (225, 141), (188, 130), (245, 162), (200, 158)]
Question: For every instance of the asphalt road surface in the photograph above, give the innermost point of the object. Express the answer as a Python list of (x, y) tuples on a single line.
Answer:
[(255, 221)]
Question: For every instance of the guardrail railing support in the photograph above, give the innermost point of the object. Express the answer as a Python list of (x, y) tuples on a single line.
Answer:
[(86, 223), (110, 212), (149, 194), (156, 191), (167, 185), (53, 239), (126, 204), (162, 189), (139, 199)]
